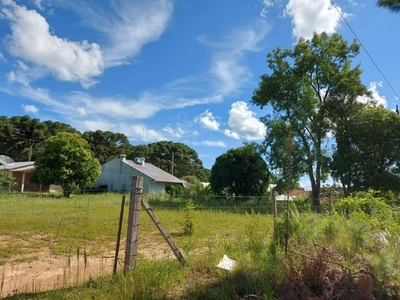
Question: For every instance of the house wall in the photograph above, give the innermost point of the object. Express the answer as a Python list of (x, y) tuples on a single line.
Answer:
[(28, 185), (117, 175)]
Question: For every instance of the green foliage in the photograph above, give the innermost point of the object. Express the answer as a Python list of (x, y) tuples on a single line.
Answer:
[(303, 204), (66, 160), (364, 202), (392, 5), (367, 154), (305, 85), (286, 226), (240, 172), (188, 224), (107, 145), (22, 137), (7, 183), (175, 158)]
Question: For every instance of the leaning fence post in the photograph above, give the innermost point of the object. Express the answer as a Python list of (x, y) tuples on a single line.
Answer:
[(132, 238)]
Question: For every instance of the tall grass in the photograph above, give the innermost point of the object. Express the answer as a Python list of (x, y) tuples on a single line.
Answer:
[(251, 238)]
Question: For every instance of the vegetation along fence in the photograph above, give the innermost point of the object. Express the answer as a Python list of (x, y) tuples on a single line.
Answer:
[(49, 242)]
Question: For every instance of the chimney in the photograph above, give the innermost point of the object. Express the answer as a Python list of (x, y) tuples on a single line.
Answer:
[(122, 157), (140, 160)]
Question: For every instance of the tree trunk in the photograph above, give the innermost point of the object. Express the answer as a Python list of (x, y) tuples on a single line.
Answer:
[(315, 191)]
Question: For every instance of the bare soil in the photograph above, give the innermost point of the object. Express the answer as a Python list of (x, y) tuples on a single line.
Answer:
[(42, 270)]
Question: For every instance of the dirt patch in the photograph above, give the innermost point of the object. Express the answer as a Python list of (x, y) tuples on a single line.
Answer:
[(42, 270)]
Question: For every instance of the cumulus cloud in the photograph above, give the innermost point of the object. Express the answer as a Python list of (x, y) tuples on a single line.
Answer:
[(311, 15), (30, 109), (231, 134), (375, 96), (32, 41), (207, 120), (243, 121)]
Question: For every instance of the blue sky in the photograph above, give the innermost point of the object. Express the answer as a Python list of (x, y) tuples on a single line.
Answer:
[(183, 70)]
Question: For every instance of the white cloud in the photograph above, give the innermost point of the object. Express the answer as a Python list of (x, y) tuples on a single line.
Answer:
[(207, 120), (211, 143), (266, 4), (30, 109), (38, 4), (136, 132), (231, 134), (177, 133), (128, 25), (228, 64), (243, 121), (375, 96), (32, 41), (373, 89), (313, 15)]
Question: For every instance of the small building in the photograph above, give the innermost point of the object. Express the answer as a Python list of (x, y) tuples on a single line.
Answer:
[(116, 175), (21, 171)]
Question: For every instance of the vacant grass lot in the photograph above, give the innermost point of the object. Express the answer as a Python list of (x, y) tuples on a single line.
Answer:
[(326, 256)]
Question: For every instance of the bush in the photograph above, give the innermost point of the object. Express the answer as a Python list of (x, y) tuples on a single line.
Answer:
[(7, 183), (364, 202)]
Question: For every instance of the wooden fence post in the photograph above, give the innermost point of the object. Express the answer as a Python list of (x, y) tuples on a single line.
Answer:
[(274, 205), (121, 217), (132, 238)]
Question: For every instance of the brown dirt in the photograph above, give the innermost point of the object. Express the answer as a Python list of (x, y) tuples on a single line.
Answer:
[(42, 270)]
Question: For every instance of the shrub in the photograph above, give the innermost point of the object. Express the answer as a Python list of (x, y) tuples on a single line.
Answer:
[(7, 183), (366, 203)]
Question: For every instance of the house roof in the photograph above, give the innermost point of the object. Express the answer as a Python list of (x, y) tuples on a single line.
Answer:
[(22, 166), (153, 172)]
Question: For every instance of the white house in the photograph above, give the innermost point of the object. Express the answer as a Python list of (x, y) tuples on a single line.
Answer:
[(117, 175)]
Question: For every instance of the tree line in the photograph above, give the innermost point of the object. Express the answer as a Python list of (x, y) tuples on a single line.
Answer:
[(324, 120), (22, 138)]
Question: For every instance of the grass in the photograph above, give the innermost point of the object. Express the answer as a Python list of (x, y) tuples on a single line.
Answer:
[(88, 224)]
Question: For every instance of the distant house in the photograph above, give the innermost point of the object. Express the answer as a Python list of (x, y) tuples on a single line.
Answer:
[(116, 175), (21, 171)]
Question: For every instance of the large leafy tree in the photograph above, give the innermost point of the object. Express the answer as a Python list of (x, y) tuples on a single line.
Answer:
[(393, 5), (107, 145), (300, 89), (367, 155), (66, 159), (175, 158), (22, 137), (240, 172)]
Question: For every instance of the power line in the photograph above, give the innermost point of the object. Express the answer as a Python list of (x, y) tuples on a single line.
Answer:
[(365, 49)]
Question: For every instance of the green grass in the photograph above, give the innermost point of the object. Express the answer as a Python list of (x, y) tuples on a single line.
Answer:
[(89, 223)]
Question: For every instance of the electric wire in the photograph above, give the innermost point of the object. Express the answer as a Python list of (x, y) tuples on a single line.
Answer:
[(365, 49)]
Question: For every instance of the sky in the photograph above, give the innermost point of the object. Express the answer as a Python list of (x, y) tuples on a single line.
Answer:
[(182, 71)]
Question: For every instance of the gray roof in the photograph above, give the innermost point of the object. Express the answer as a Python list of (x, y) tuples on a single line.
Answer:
[(153, 172), (19, 166)]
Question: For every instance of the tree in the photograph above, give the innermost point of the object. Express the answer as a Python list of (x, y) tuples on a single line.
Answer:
[(107, 145), (22, 137), (368, 154), (240, 172), (175, 158), (66, 160), (300, 90), (393, 5)]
